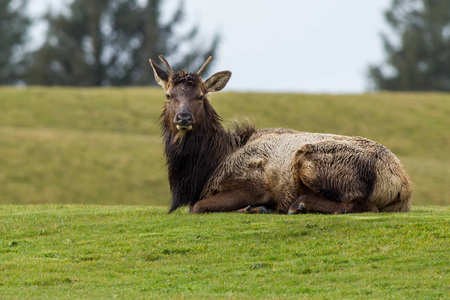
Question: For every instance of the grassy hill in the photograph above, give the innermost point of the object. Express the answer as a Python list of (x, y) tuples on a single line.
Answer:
[(140, 252), (102, 146)]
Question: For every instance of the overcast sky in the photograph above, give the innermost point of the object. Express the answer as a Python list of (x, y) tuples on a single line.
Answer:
[(322, 46)]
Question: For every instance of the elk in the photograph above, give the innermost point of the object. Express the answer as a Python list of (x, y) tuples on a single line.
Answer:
[(248, 170)]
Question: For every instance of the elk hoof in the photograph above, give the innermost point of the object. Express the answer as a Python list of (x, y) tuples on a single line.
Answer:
[(263, 210), (292, 212), (256, 210), (300, 209)]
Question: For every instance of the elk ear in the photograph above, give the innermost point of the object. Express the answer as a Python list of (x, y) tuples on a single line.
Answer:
[(161, 76), (217, 81)]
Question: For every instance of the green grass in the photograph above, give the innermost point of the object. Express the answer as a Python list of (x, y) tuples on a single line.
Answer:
[(140, 252), (102, 146)]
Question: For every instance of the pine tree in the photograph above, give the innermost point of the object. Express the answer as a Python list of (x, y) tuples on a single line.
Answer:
[(13, 28), (420, 58), (109, 42)]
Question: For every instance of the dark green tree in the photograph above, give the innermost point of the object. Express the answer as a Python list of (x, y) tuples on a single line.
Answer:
[(418, 58), (109, 42), (13, 28)]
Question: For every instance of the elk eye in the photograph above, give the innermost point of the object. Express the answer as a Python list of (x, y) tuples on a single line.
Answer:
[(201, 98), (168, 97)]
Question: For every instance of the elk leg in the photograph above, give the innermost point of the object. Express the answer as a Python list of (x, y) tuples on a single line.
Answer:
[(253, 210), (311, 203), (232, 201)]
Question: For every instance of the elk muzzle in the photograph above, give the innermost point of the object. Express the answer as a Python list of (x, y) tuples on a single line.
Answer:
[(184, 120)]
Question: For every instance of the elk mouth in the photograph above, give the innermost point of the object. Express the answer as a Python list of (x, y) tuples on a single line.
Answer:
[(184, 120), (184, 126)]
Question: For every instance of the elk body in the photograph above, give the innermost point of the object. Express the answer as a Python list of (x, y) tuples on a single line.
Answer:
[(278, 170)]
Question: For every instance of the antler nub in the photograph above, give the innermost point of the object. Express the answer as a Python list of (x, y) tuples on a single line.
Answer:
[(164, 61), (202, 69)]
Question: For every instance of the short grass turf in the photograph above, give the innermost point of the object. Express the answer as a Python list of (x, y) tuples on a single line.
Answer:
[(139, 252)]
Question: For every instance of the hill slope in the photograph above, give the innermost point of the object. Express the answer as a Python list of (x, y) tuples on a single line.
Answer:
[(102, 146)]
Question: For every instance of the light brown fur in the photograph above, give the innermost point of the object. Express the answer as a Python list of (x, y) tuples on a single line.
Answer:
[(273, 160)]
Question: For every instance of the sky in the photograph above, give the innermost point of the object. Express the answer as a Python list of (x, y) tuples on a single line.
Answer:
[(303, 46)]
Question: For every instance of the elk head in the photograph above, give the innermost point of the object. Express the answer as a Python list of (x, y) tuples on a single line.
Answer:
[(186, 94)]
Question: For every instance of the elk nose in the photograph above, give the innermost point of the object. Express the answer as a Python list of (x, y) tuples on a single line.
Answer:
[(184, 118)]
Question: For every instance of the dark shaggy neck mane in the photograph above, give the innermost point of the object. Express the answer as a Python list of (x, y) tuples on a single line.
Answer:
[(193, 157)]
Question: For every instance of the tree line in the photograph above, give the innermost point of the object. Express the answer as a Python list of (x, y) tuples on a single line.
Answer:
[(98, 43), (108, 42), (417, 49)]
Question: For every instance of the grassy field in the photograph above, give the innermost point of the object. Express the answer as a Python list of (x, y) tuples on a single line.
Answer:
[(102, 146), (70, 150), (140, 252)]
